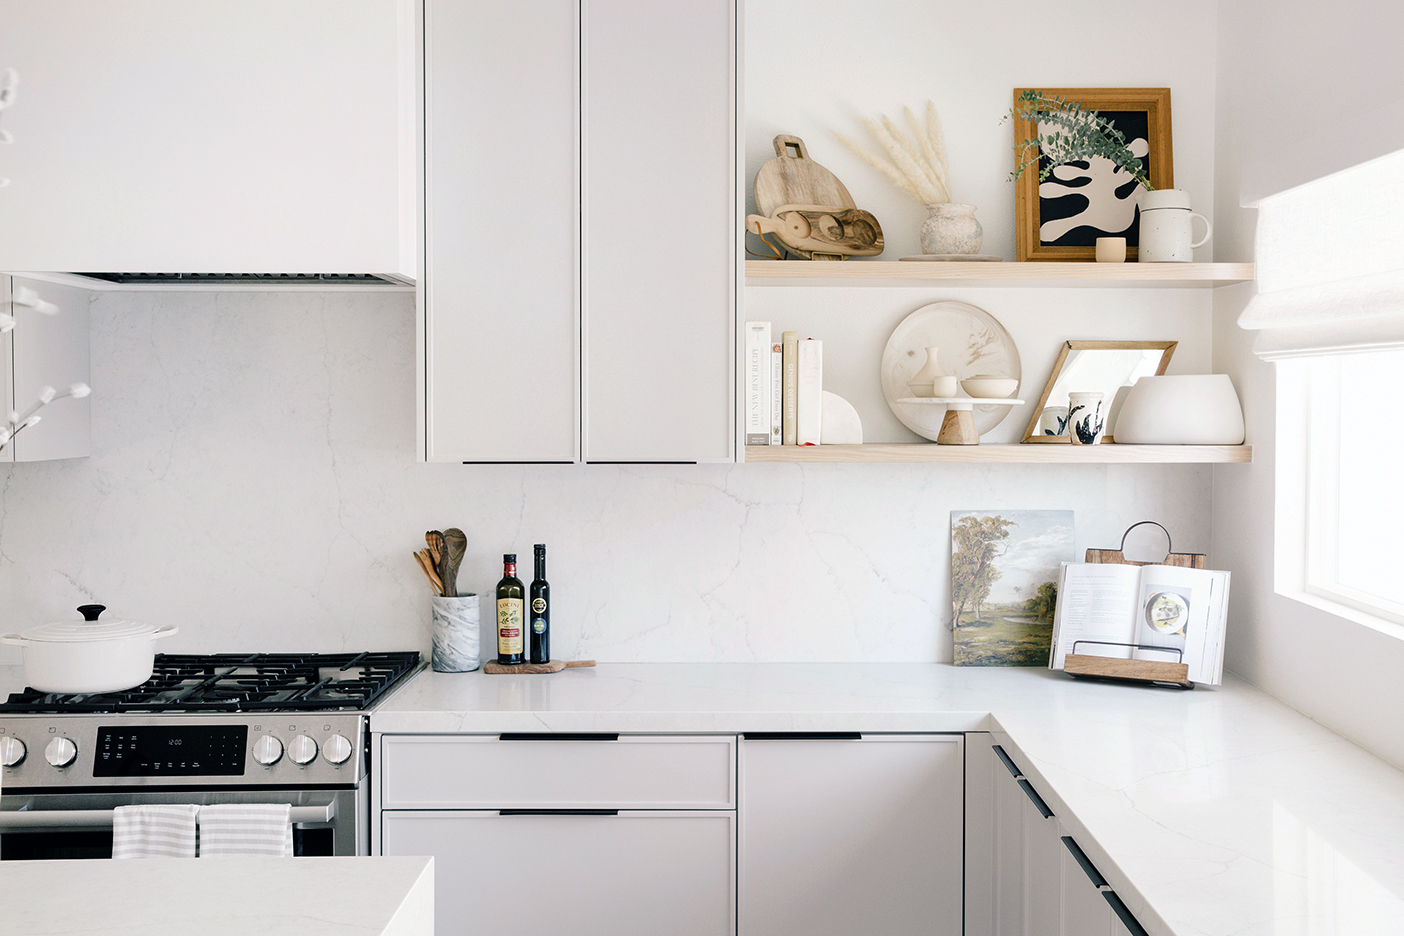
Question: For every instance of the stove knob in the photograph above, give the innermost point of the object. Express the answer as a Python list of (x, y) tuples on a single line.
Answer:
[(12, 752), (337, 749), (303, 750), (268, 750), (61, 752)]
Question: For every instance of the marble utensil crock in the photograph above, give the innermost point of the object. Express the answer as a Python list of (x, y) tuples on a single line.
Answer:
[(455, 634)]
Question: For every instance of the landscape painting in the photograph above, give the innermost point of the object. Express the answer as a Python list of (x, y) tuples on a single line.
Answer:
[(1004, 575)]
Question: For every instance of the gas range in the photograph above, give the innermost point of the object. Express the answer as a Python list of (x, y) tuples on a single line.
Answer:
[(223, 720)]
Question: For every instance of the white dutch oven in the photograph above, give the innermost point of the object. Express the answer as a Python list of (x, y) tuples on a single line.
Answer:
[(88, 656)]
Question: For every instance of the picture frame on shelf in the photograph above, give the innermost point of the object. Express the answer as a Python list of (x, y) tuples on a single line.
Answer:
[(1061, 218)]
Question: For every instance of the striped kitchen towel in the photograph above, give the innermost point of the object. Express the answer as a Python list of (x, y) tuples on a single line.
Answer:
[(154, 831), (232, 829)]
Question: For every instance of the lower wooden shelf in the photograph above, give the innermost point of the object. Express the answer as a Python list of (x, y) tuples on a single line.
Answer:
[(1110, 454)]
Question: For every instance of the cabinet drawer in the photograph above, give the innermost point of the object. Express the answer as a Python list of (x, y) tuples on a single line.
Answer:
[(486, 772)]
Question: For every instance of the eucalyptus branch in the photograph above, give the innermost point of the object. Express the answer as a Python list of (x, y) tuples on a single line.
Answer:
[(1064, 131)]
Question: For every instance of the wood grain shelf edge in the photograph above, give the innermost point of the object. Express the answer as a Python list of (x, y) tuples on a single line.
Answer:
[(896, 272)]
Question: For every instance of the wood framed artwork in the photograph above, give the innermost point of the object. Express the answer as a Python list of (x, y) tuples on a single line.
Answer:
[(1061, 219)]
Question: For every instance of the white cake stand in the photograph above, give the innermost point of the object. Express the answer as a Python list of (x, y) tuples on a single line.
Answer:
[(958, 428)]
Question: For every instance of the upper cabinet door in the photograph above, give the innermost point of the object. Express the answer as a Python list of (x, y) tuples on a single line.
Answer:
[(659, 111), (48, 349), (499, 288), (267, 136)]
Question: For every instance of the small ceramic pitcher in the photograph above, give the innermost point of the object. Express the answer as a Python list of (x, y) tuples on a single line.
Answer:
[(1166, 222)]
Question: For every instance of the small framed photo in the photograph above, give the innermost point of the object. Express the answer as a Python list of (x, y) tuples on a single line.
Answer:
[(1061, 218)]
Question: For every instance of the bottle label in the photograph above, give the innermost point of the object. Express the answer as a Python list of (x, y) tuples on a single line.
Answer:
[(509, 626), (538, 605), (539, 625)]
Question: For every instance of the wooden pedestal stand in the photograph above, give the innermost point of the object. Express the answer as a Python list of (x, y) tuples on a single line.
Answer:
[(1157, 672), (958, 426)]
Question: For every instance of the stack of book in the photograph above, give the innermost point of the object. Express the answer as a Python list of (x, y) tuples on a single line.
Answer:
[(784, 387)]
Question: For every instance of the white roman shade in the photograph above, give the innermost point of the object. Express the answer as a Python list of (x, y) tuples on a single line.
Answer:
[(1330, 264)]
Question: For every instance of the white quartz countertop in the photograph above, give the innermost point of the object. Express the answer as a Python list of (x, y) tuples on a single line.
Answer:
[(1216, 811), (219, 897)]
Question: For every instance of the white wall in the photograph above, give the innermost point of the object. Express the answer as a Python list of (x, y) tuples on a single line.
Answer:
[(1287, 72), (253, 481)]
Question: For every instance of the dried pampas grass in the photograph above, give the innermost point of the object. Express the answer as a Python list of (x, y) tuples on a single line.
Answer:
[(916, 165)]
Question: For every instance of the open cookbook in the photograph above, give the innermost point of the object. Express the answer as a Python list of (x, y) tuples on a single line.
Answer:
[(1160, 613)]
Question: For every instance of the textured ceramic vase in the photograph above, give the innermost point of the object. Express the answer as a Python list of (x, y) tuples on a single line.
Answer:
[(931, 380), (1053, 421), (455, 634), (1085, 422), (951, 229)]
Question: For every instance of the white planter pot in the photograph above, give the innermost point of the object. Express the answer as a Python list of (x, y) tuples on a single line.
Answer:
[(88, 656)]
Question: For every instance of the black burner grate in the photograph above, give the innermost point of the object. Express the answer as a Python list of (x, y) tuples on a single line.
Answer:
[(240, 682)]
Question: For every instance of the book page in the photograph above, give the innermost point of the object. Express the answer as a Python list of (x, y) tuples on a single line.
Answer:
[(1095, 603), (1180, 610)]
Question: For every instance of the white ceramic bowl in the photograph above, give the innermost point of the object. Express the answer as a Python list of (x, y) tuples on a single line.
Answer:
[(1197, 409), (985, 387)]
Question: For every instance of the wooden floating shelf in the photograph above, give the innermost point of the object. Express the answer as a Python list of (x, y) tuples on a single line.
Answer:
[(1030, 274), (1110, 454)]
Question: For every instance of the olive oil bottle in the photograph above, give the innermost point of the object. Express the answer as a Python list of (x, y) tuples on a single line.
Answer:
[(511, 617), (540, 610)]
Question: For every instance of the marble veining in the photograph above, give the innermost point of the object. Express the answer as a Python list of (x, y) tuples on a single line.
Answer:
[(455, 633), (1217, 812), (253, 481)]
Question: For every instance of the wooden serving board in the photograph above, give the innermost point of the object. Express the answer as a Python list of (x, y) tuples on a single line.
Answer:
[(792, 178), (495, 668)]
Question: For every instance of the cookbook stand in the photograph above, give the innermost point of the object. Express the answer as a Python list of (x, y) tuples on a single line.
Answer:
[(1154, 672)]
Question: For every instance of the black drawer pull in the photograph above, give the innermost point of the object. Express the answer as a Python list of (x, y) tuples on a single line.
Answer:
[(999, 752), (554, 736), (1130, 922), (802, 736), (1038, 802), (1088, 868), (558, 812)]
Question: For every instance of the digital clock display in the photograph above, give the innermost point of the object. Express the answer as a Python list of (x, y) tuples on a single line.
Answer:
[(171, 751)]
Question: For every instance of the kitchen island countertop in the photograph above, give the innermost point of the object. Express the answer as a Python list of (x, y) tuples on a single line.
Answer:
[(219, 897), (1211, 812)]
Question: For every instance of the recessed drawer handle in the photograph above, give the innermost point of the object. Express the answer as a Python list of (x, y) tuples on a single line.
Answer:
[(554, 736), (1038, 802), (1088, 868), (1121, 910), (803, 736), (558, 812), (999, 752)]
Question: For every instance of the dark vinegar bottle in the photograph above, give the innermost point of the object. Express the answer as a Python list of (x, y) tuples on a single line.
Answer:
[(540, 610), (511, 619)]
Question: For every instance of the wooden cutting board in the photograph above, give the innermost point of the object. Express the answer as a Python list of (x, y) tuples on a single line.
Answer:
[(792, 178), (494, 668)]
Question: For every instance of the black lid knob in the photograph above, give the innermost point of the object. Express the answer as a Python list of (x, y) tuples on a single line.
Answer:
[(90, 612)]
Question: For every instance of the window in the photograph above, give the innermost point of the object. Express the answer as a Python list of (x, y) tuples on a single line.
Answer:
[(1330, 312)]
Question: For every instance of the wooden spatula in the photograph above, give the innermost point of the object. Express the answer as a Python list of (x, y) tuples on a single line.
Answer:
[(455, 545)]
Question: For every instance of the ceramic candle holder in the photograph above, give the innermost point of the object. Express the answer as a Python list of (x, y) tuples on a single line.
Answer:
[(455, 634)]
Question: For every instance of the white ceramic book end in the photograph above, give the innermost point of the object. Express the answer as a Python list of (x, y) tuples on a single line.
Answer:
[(840, 424)]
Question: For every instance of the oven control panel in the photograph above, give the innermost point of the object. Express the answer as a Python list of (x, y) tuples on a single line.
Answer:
[(149, 750)]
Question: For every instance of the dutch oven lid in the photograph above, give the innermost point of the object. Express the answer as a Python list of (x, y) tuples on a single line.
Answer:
[(88, 629)]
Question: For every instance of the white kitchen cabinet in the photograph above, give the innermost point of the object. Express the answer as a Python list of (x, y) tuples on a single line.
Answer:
[(660, 183), (851, 835), (499, 306), (45, 350), (263, 136), (630, 873), (1085, 912)]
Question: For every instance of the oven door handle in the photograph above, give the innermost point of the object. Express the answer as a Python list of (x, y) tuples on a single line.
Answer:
[(14, 820)]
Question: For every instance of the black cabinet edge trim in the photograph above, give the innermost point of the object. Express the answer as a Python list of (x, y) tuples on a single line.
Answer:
[(802, 736), (1088, 868), (1124, 913), (999, 752), (1038, 802), (558, 812), (518, 463), (554, 736)]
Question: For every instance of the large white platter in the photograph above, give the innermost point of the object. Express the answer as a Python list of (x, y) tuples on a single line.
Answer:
[(972, 343)]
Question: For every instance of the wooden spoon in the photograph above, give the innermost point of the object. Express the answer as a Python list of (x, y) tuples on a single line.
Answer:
[(455, 545), (435, 541)]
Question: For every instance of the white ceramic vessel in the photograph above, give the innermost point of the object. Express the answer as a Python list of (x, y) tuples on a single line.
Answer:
[(1195, 409), (88, 656), (1166, 222), (951, 229), (1085, 422), (987, 387)]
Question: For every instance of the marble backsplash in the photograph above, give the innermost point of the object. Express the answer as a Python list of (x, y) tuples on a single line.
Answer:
[(254, 482)]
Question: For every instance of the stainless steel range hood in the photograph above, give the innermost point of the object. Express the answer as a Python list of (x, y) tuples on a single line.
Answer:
[(229, 281)]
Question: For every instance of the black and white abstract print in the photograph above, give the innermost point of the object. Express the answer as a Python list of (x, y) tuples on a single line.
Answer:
[(1088, 199)]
